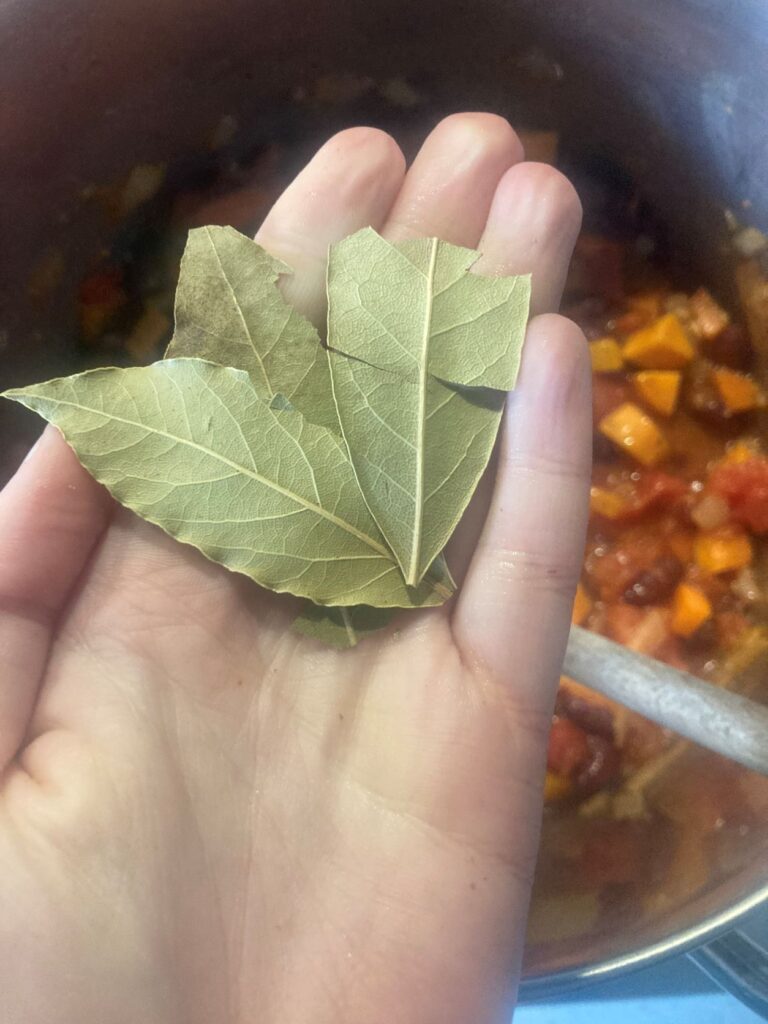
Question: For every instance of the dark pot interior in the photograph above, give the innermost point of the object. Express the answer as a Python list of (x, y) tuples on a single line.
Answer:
[(668, 93)]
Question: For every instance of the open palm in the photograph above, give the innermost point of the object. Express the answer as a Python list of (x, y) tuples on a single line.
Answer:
[(206, 819)]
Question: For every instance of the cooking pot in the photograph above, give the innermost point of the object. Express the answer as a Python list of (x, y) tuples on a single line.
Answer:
[(670, 92)]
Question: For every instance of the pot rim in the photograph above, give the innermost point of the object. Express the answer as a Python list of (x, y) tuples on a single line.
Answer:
[(546, 984)]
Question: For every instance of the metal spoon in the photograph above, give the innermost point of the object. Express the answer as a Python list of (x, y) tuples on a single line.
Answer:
[(719, 719)]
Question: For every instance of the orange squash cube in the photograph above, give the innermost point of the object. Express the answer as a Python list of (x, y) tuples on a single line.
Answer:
[(606, 503), (663, 345), (690, 609), (635, 433), (738, 392), (659, 388), (723, 550), (741, 451), (606, 356), (582, 606)]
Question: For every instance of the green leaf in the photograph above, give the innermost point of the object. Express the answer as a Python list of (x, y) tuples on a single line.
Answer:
[(192, 447), (229, 310), (421, 353), (341, 627)]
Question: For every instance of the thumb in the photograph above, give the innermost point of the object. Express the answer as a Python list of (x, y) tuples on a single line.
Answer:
[(514, 609), (52, 515)]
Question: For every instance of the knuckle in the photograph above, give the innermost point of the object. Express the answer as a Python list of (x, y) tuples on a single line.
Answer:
[(554, 466), (549, 570)]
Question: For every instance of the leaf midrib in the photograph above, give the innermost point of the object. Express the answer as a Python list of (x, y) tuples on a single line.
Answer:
[(291, 495), (240, 313), (412, 578)]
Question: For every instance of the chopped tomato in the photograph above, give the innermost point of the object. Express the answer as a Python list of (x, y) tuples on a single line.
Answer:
[(639, 568), (744, 485), (643, 493)]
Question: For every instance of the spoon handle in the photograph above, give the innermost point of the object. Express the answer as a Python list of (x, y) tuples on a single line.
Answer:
[(719, 719)]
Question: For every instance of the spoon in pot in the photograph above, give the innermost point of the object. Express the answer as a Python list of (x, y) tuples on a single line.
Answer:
[(719, 719)]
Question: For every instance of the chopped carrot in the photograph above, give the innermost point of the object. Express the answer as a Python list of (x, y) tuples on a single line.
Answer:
[(606, 356), (556, 787), (606, 503), (722, 550), (659, 388), (690, 609), (663, 345), (634, 432), (582, 605), (738, 392)]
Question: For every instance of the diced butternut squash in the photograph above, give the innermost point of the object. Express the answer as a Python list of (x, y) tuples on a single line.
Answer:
[(556, 787), (606, 356), (663, 345), (606, 503), (738, 392), (635, 433), (582, 606), (659, 388), (741, 451), (708, 318), (690, 609), (723, 550)]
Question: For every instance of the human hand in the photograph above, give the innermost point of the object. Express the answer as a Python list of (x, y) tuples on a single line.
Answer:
[(206, 819)]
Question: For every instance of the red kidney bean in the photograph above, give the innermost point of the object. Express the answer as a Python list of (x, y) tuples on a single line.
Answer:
[(655, 585), (594, 718)]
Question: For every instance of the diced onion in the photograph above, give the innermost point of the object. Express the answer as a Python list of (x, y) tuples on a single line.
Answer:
[(745, 585), (651, 632), (711, 512)]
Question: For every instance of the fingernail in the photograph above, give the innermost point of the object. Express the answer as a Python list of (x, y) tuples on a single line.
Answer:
[(33, 449)]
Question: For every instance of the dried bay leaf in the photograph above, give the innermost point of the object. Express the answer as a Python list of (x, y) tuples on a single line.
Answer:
[(193, 448), (335, 475), (421, 354), (230, 311), (341, 627)]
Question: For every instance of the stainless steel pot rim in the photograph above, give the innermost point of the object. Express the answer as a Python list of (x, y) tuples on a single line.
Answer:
[(537, 986)]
